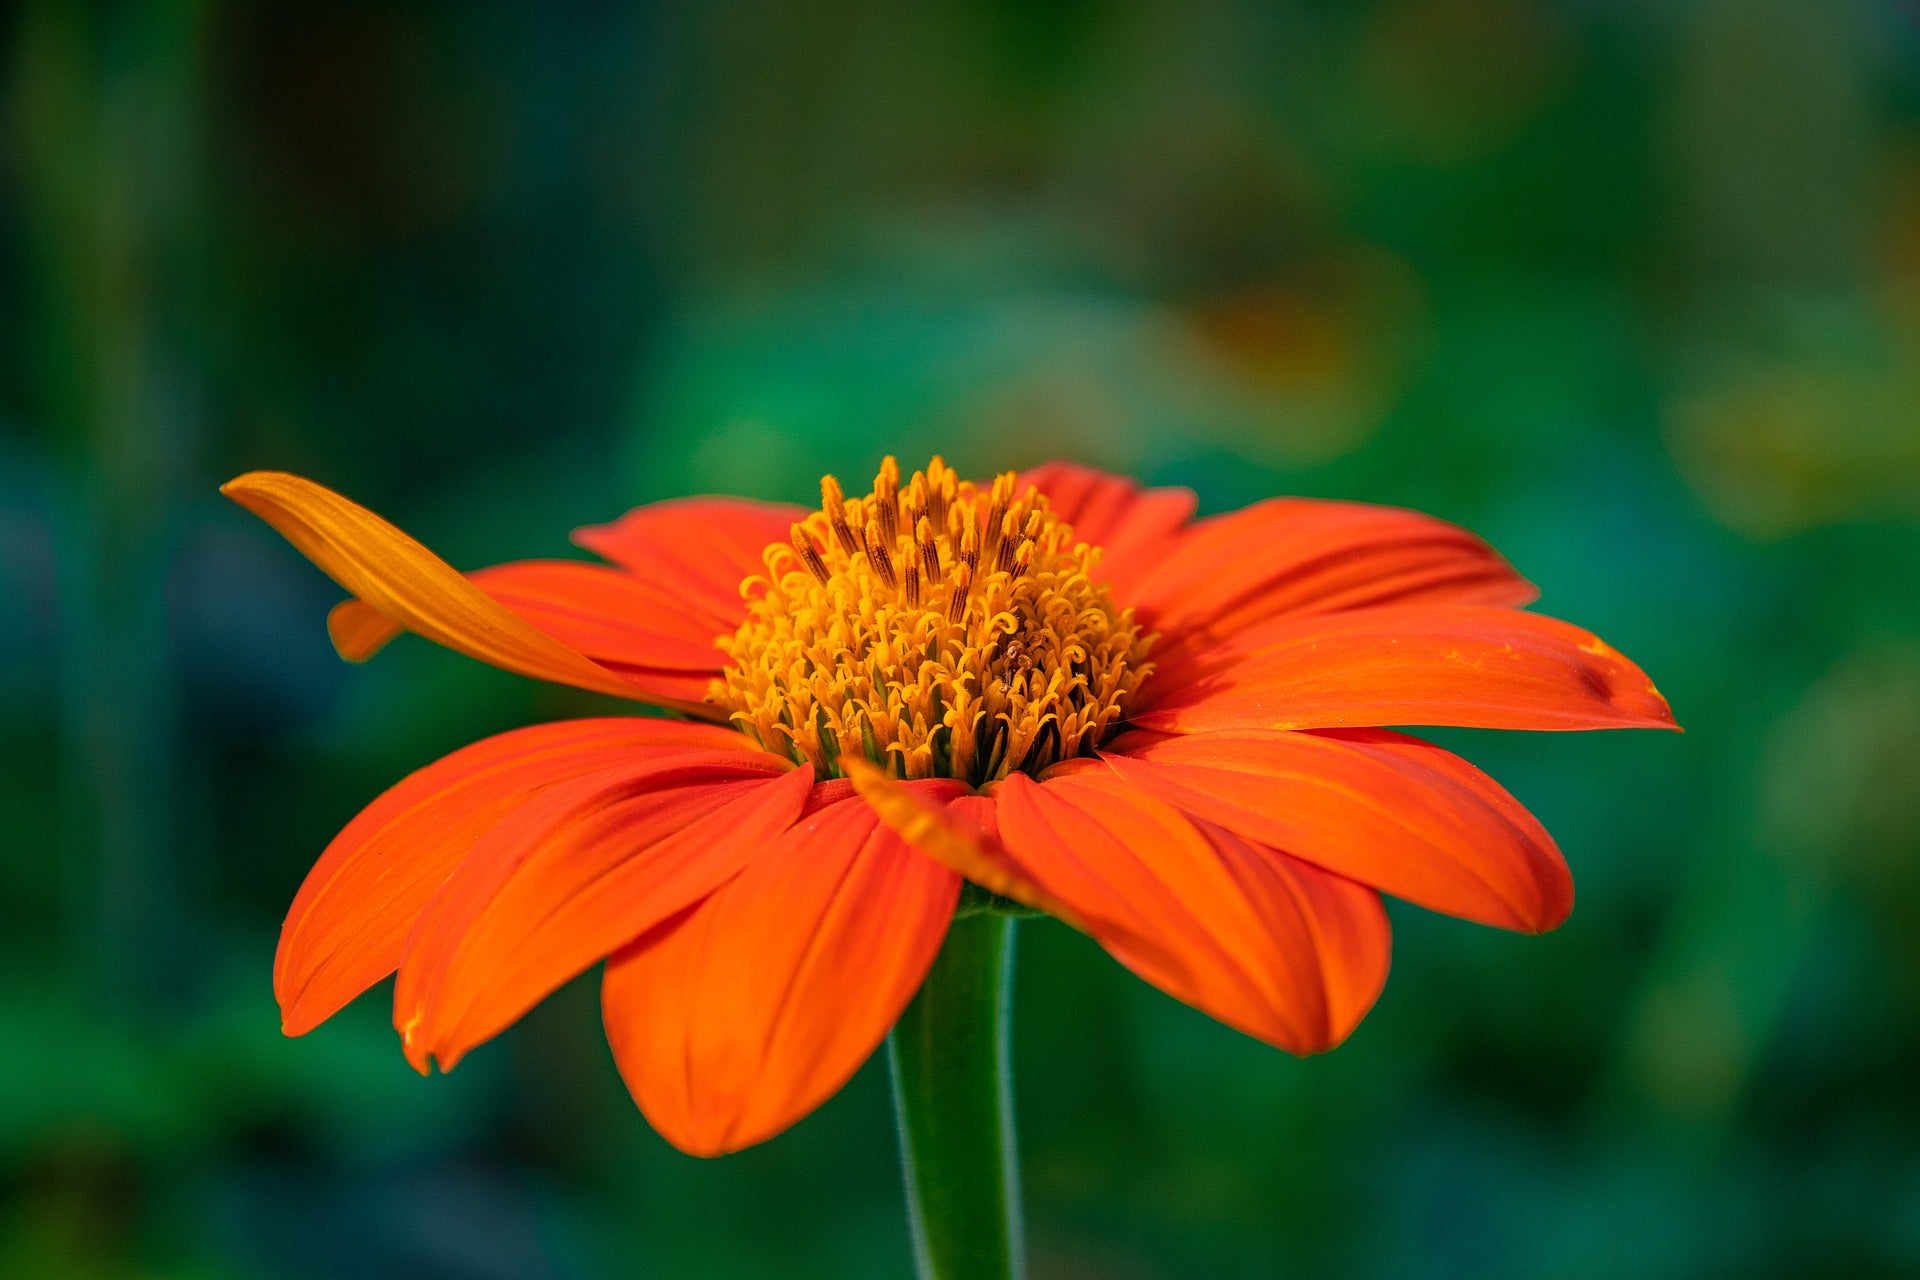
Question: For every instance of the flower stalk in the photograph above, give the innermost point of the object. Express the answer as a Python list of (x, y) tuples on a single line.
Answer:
[(952, 1090)]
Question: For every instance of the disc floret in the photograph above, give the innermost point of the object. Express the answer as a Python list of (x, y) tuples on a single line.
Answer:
[(941, 629)]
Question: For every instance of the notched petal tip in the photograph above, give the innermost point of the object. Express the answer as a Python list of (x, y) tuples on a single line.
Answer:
[(418, 1056)]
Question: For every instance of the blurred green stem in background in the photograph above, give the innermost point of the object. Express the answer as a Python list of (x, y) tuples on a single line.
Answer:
[(105, 111), (952, 1089)]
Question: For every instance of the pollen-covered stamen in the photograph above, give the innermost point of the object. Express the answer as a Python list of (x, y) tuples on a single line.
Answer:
[(963, 637), (886, 498), (929, 549), (809, 554), (917, 502), (1007, 545), (959, 586), (833, 503), (879, 557), (997, 515), (941, 485)]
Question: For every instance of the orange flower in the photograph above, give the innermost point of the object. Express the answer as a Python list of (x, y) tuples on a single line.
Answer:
[(1058, 686)]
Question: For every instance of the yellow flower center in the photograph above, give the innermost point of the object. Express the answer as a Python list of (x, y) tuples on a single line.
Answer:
[(940, 630)]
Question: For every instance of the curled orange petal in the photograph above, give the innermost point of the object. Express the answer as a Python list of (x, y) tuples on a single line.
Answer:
[(955, 830), (410, 585)]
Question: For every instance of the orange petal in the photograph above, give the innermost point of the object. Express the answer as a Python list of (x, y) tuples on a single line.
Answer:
[(410, 585), (1413, 664), (1291, 556), (706, 546), (608, 614), (1381, 808), (349, 923), (956, 831), (358, 630), (1133, 526), (741, 1016), (1268, 944), (636, 629), (574, 875)]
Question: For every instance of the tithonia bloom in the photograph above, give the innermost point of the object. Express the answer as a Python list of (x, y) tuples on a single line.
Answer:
[(1057, 686)]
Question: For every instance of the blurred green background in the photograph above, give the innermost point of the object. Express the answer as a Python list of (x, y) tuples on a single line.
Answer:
[(1631, 287)]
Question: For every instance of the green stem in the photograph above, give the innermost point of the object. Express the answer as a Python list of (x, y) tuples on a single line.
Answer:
[(952, 1092)]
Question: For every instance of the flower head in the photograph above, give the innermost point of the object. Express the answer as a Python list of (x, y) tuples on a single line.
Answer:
[(941, 630), (1058, 686)]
